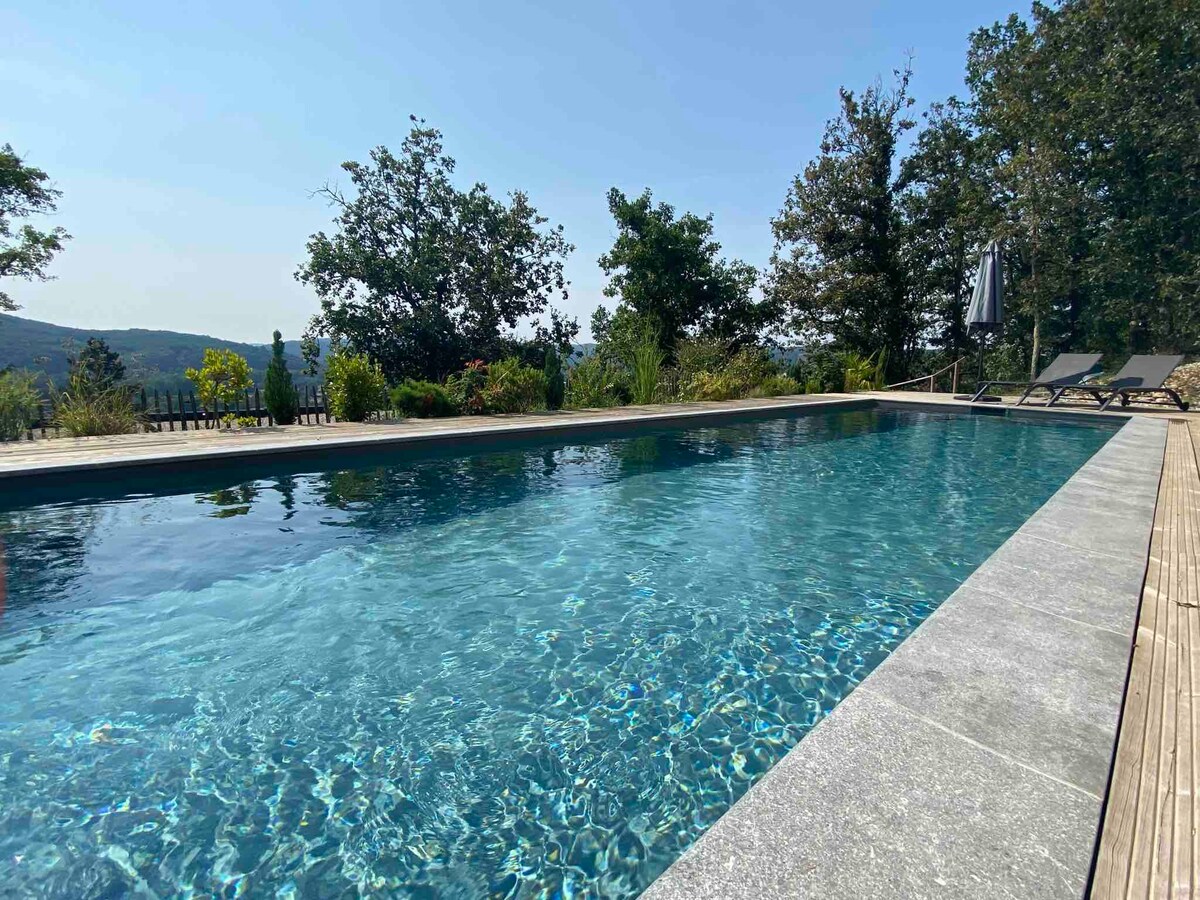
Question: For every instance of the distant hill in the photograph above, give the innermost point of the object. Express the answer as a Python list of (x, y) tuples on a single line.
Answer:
[(156, 359)]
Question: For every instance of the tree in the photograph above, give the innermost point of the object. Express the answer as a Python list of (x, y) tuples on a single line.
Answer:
[(223, 378), (556, 385), (97, 368), (422, 276), (278, 392), (667, 271), (948, 215), (25, 252), (838, 267)]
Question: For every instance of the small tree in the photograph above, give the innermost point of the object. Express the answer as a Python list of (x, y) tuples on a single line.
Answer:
[(355, 385), (223, 378), (279, 392), (97, 368), (556, 385)]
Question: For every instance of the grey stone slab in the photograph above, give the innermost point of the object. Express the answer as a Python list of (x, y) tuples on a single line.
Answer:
[(1100, 525), (1041, 689), (1130, 496), (970, 763), (881, 803), (1095, 588)]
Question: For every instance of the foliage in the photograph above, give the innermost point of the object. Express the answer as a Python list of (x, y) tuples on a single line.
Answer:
[(820, 370), (19, 404), (466, 387), (96, 366), (594, 383), (645, 369), (738, 376), (838, 267), (512, 387), (949, 210), (222, 379), (422, 399), (667, 270), (556, 385), (777, 385), (355, 385), (25, 252), (422, 276), (88, 408), (862, 373), (279, 393)]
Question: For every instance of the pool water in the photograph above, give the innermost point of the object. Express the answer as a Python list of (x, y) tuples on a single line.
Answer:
[(531, 671)]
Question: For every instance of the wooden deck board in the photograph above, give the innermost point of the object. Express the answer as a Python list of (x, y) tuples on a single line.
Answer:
[(1149, 840)]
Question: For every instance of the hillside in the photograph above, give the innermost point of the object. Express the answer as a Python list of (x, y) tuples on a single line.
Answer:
[(156, 359)]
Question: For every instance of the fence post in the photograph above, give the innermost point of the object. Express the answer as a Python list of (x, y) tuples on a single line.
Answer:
[(170, 414), (954, 379), (257, 407)]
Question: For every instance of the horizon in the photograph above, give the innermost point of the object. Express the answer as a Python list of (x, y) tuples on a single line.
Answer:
[(187, 150)]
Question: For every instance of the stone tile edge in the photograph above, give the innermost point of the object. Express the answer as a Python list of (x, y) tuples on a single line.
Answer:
[(1140, 442)]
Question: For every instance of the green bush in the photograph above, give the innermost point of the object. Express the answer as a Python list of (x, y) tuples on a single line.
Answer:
[(556, 386), (221, 380), (86, 408), (777, 386), (820, 370), (422, 399), (465, 388), (863, 373), (279, 393), (19, 404), (738, 376), (355, 385), (594, 383), (696, 355), (512, 387), (645, 369)]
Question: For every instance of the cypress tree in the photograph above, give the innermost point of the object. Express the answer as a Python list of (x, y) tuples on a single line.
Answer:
[(279, 394), (556, 386)]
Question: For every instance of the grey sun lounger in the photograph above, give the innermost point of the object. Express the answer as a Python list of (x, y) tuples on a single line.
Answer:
[(1067, 370), (1140, 375)]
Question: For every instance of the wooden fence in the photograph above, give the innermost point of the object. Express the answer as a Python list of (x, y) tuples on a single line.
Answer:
[(175, 410)]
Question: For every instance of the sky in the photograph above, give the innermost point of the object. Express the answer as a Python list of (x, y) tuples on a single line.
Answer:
[(188, 138)]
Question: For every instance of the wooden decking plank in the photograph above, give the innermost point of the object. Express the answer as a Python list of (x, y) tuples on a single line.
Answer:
[(1149, 841)]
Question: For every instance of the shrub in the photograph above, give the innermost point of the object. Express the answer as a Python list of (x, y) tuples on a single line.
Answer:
[(86, 408), (20, 404), (512, 387), (595, 383), (777, 386), (820, 370), (863, 373), (696, 355), (223, 378), (645, 368), (466, 387), (355, 385), (279, 393), (422, 399), (737, 377), (556, 387)]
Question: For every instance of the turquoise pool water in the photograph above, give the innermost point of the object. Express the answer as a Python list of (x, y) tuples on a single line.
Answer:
[(531, 671)]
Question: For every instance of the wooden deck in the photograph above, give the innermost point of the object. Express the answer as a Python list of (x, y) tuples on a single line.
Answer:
[(1149, 840)]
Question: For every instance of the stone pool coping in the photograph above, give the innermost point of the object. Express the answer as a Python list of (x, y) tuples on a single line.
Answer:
[(975, 759), (64, 457)]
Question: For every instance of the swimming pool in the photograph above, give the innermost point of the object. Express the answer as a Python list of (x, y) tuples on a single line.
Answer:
[(530, 671)]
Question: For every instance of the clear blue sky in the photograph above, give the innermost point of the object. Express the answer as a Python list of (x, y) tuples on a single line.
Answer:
[(187, 137)]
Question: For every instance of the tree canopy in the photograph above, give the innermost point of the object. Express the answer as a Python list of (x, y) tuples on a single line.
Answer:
[(25, 252), (423, 276), (838, 268), (667, 271)]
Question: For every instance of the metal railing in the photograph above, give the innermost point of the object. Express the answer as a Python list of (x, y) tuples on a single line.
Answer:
[(929, 379)]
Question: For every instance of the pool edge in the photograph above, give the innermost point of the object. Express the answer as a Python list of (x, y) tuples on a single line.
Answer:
[(925, 780)]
